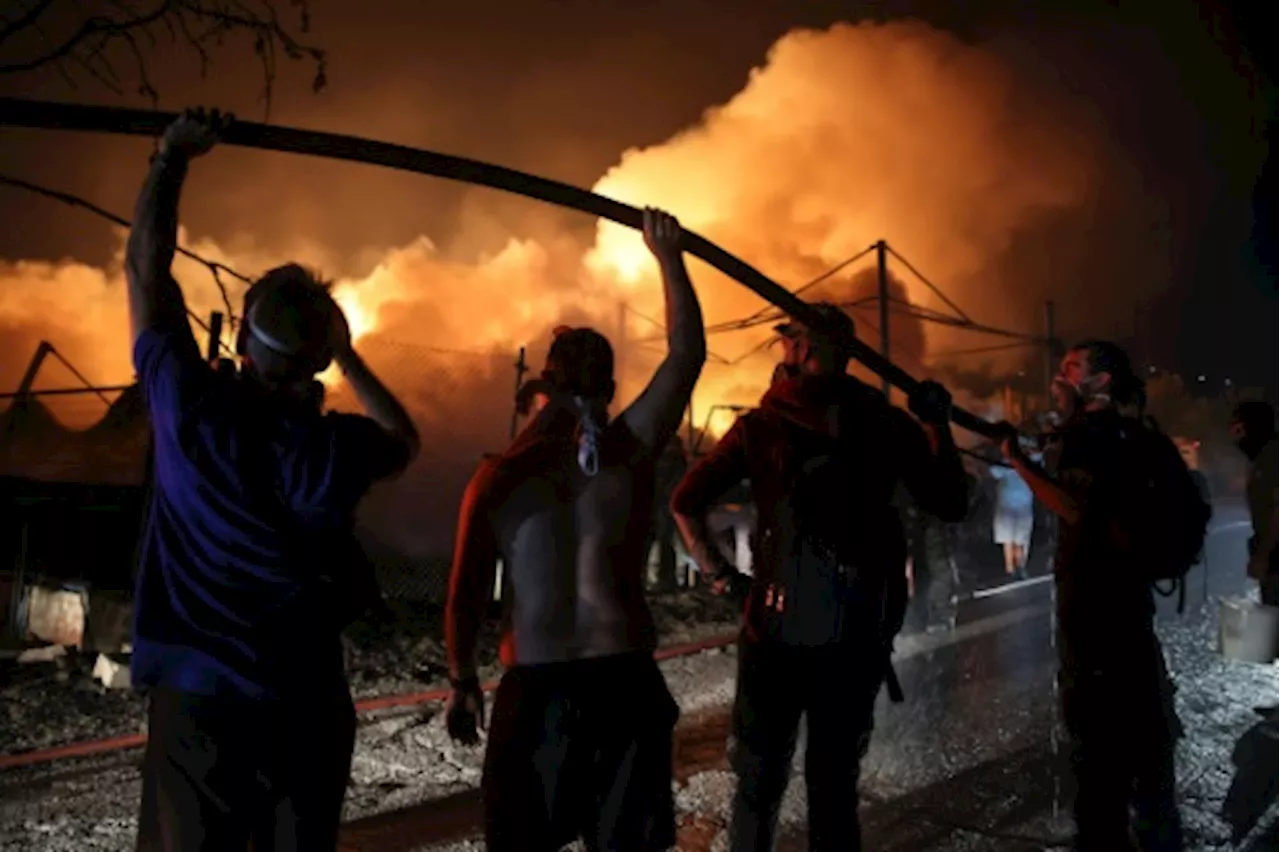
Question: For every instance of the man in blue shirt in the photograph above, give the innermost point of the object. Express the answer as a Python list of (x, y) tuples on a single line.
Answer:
[(248, 569)]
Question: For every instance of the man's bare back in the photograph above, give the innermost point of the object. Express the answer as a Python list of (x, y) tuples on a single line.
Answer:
[(573, 562), (580, 743), (571, 533)]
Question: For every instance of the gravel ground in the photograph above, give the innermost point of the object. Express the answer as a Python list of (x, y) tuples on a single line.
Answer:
[(51, 704), (978, 718), (403, 756)]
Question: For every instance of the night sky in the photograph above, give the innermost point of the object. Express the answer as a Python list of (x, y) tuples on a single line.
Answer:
[(1186, 97)]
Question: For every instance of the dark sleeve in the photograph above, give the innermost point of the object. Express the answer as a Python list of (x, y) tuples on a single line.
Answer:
[(172, 375), (363, 453), (713, 475), (936, 480)]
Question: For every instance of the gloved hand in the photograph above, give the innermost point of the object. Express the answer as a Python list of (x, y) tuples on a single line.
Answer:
[(464, 714), (930, 402)]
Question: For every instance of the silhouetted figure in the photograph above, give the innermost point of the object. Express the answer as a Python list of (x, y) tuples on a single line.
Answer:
[(1014, 518), (580, 739), (249, 569), (932, 570), (672, 465), (824, 454), (1253, 426), (1117, 699)]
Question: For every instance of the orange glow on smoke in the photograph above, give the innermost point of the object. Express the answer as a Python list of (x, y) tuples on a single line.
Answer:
[(840, 138)]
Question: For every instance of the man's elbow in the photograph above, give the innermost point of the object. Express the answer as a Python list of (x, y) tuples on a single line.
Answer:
[(684, 522), (686, 503), (689, 352)]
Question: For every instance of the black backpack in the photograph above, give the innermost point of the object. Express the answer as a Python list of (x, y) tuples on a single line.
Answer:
[(819, 556), (1167, 513)]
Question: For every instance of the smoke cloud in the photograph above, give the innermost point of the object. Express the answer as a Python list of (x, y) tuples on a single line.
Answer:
[(842, 137)]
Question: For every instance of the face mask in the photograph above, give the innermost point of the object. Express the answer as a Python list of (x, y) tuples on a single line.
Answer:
[(1073, 397)]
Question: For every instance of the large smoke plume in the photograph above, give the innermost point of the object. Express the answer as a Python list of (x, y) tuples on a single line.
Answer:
[(840, 138)]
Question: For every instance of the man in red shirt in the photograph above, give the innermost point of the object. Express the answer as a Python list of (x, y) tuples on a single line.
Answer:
[(824, 454)]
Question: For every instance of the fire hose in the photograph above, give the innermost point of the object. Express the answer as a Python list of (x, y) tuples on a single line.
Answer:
[(21, 112)]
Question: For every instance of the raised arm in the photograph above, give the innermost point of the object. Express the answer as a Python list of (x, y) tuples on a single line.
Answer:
[(155, 300), (656, 413), (1064, 498), (713, 475), (379, 402)]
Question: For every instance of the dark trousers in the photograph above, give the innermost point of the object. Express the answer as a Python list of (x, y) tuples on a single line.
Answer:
[(835, 688), (1123, 728), (221, 773), (581, 749)]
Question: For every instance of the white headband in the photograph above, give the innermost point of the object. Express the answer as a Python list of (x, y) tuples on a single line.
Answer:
[(264, 337)]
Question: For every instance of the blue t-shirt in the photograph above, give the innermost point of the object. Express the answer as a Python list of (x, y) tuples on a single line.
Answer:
[(247, 555), (1012, 492)]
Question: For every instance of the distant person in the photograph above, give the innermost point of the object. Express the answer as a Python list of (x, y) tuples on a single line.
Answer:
[(248, 567), (580, 739), (1128, 512), (672, 465), (824, 454), (931, 569), (1014, 519), (1253, 427)]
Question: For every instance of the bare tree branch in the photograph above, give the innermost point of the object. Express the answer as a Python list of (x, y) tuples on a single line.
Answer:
[(26, 19), (215, 267), (100, 30)]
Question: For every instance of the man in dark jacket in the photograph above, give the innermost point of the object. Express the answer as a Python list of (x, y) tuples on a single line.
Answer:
[(1117, 698), (824, 454)]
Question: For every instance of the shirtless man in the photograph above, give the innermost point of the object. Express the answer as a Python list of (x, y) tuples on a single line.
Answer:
[(580, 738)]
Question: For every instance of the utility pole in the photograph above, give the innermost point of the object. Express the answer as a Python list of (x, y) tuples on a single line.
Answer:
[(215, 336), (883, 270), (1051, 346), (521, 369)]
